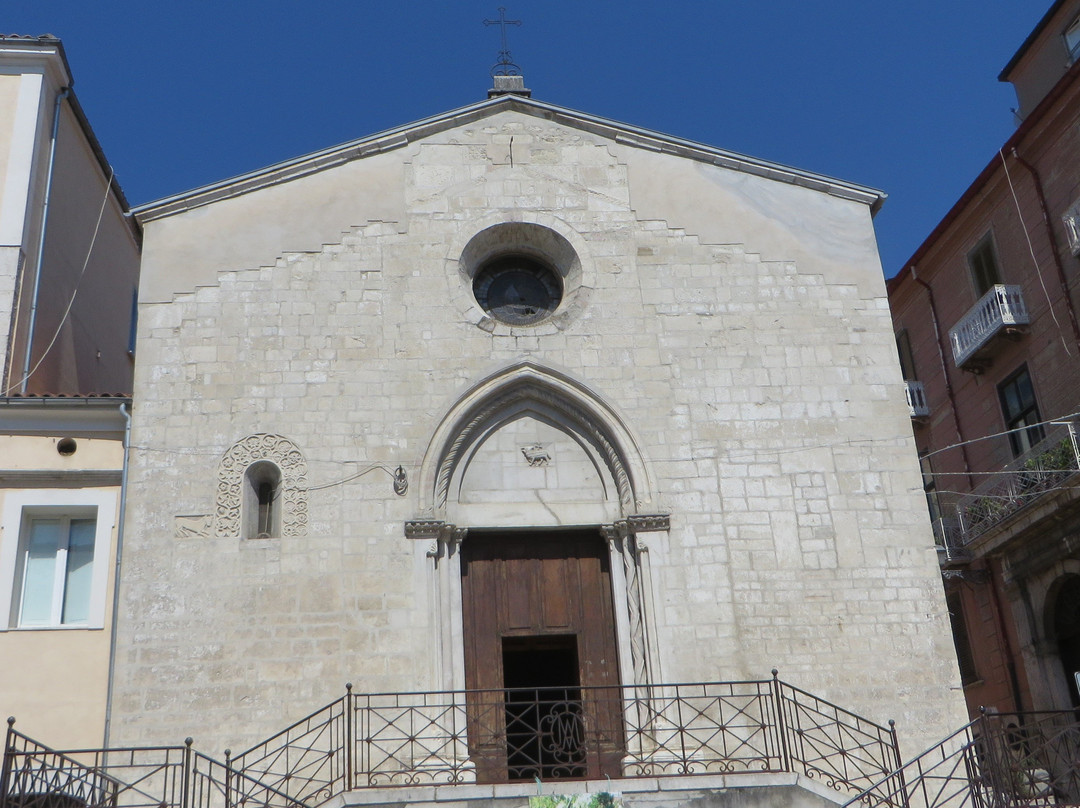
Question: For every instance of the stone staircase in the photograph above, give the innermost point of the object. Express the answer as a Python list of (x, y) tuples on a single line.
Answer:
[(764, 744)]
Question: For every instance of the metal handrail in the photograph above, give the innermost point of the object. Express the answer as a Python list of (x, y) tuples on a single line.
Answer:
[(998, 760), (447, 737), (1025, 479), (37, 776), (1002, 306), (440, 737)]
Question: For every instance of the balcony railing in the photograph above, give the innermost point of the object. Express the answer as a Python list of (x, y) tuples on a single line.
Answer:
[(1000, 309), (916, 399), (1040, 470), (999, 760), (446, 738)]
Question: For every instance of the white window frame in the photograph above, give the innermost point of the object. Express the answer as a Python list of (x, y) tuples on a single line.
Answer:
[(22, 506), (1071, 220), (1072, 31)]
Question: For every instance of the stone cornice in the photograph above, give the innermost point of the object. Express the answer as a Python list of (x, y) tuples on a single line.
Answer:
[(76, 478)]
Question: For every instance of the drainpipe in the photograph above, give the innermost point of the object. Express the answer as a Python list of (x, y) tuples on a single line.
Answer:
[(116, 576), (1053, 243), (945, 371), (60, 96)]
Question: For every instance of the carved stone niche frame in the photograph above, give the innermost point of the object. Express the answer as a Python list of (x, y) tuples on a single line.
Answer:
[(476, 415), (286, 455)]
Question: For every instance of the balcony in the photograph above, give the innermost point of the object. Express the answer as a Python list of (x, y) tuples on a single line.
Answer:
[(1042, 469), (916, 399), (1000, 312)]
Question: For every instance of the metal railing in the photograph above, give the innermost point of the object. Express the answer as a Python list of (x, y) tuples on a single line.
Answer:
[(490, 736), (550, 733), (999, 760), (1001, 307), (1037, 471), (35, 776), (916, 399)]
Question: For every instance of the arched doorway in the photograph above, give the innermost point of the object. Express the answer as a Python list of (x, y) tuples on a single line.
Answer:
[(535, 489), (1066, 627)]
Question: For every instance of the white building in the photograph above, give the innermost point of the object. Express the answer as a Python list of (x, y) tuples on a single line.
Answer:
[(643, 394)]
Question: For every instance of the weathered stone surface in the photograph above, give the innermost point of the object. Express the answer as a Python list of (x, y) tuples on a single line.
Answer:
[(746, 386)]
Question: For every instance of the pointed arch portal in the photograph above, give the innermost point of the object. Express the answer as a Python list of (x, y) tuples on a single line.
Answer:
[(533, 488)]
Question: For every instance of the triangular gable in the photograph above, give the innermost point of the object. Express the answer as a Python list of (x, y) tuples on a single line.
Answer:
[(391, 139)]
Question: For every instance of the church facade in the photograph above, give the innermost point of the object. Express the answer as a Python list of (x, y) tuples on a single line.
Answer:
[(517, 396)]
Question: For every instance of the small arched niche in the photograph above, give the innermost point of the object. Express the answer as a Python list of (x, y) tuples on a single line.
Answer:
[(267, 468), (262, 501)]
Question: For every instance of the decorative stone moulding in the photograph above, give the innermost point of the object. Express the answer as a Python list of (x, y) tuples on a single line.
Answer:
[(525, 388), (545, 241), (538, 395), (276, 449)]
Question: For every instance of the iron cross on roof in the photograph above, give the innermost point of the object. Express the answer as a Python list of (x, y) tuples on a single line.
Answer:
[(505, 66)]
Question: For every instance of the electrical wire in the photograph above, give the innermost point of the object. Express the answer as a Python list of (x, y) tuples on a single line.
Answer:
[(1009, 497), (75, 291), (1031, 250), (1024, 428)]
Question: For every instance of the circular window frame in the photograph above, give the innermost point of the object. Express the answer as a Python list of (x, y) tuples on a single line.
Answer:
[(536, 243), (538, 289)]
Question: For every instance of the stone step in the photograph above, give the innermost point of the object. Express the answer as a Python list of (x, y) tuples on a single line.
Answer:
[(757, 790)]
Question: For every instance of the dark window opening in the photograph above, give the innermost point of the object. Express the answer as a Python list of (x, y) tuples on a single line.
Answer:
[(982, 261), (907, 360), (266, 508), (545, 730), (262, 501), (518, 290), (964, 656), (133, 329), (932, 503), (1021, 411)]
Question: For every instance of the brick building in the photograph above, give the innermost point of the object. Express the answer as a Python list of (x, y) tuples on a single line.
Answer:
[(985, 312)]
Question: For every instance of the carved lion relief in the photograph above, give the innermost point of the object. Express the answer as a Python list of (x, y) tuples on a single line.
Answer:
[(230, 482)]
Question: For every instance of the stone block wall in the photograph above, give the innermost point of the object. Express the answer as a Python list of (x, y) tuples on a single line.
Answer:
[(763, 397)]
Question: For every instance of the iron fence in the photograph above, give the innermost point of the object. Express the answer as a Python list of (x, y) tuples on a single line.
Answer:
[(35, 776), (999, 760), (488, 736), (841, 749), (449, 737)]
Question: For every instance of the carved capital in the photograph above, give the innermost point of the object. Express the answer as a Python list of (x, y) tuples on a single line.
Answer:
[(446, 537), (616, 531), (649, 522), (424, 528)]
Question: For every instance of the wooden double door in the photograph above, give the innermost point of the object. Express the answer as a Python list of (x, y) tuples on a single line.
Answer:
[(540, 656)]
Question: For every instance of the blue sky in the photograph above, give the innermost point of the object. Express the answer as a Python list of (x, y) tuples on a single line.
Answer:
[(900, 96)]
